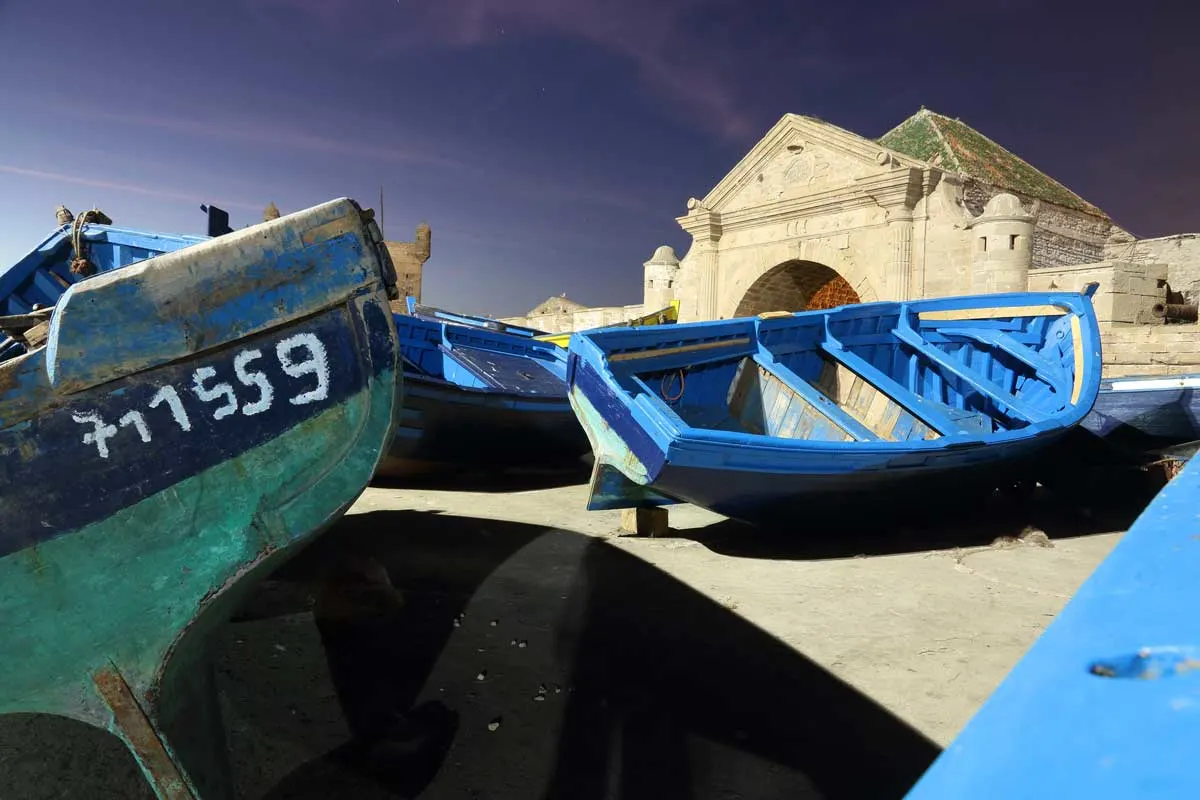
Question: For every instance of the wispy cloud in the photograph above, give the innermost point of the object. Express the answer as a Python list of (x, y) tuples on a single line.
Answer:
[(277, 135), (121, 186), (514, 181), (658, 38)]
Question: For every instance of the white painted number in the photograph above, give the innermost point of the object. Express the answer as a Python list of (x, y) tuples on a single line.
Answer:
[(316, 364), (100, 434), (136, 419), (251, 378), (168, 395), (215, 393)]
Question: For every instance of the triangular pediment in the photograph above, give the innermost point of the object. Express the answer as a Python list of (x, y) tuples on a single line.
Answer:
[(800, 156)]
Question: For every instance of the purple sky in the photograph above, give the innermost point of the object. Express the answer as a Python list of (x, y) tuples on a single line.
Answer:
[(551, 144)]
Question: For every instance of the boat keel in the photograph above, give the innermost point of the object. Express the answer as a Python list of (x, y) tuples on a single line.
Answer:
[(182, 752), (611, 489)]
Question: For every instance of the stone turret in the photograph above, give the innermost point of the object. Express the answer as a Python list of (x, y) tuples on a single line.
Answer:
[(270, 212), (423, 242), (1002, 251), (409, 259), (661, 275)]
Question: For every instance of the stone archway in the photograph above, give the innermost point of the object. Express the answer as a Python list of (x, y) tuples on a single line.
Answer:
[(796, 286)]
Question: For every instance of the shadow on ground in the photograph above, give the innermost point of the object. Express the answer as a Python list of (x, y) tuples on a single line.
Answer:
[(509, 661), (495, 481), (1055, 515)]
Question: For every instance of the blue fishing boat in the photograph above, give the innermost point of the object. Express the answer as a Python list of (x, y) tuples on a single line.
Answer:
[(1103, 705), (1146, 413), (182, 426), (767, 419), (478, 399), (416, 309)]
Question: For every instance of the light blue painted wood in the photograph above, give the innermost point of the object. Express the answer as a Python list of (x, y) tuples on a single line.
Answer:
[(1106, 703)]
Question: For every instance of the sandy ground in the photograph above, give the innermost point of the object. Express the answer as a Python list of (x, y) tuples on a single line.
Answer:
[(548, 657)]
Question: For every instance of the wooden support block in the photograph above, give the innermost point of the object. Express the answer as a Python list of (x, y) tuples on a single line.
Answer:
[(644, 521)]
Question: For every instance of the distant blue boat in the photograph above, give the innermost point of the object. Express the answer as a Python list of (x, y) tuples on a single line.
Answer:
[(1104, 705), (878, 406), (470, 320), (1146, 414), (480, 399)]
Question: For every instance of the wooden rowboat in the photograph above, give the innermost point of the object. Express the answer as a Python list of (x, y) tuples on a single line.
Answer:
[(188, 422), (868, 407)]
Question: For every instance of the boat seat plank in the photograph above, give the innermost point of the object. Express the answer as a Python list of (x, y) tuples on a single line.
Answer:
[(914, 404), (983, 385), (766, 405)]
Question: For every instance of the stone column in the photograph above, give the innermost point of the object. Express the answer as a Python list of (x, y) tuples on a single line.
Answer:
[(705, 229), (899, 276)]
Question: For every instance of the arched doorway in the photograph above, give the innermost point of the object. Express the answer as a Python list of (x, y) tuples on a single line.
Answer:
[(796, 286)]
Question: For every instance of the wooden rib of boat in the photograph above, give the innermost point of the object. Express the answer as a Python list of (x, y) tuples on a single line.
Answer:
[(1103, 705), (767, 418), (664, 316), (188, 422), (480, 399)]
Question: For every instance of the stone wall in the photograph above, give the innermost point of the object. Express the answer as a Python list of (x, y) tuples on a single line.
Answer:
[(1181, 254), (1150, 350), (580, 320), (1127, 292)]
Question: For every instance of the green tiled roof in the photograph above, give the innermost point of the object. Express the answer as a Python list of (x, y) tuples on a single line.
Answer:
[(956, 147)]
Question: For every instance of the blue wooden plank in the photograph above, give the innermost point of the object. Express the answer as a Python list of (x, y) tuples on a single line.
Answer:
[(1105, 703)]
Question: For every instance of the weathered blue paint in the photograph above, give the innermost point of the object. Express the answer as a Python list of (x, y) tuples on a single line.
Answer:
[(148, 485), (482, 399), (746, 416), (1105, 703)]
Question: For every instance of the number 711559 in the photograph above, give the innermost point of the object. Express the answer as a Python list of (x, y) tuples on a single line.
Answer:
[(299, 356)]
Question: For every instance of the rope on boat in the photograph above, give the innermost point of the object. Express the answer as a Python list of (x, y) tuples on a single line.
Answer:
[(80, 265), (663, 385)]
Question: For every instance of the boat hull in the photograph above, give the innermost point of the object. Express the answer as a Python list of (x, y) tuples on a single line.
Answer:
[(849, 485), (143, 506), (447, 428)]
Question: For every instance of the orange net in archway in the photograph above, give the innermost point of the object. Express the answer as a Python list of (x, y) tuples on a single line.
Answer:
[(796, 286)]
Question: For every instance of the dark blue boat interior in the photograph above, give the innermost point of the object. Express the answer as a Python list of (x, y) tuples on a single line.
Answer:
[(860, 373), (39, 279), (480, 359)]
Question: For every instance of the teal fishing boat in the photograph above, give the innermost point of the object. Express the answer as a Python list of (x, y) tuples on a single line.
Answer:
[(187, 422)]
